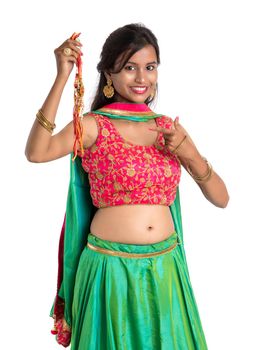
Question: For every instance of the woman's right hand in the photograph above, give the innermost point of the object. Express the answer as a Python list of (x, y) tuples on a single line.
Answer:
[(65, 63)]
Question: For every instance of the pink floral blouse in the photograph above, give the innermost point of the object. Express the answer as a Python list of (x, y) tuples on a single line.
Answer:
[(123, 173)]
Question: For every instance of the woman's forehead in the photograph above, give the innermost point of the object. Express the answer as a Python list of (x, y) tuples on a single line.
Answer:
[(145, 55)]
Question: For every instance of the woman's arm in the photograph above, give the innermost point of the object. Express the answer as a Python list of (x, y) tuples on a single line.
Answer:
[(41, 145), (179, 142), (214, 189)]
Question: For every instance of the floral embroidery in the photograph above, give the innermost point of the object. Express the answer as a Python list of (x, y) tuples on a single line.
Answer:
[(105, 132), (122, 173)]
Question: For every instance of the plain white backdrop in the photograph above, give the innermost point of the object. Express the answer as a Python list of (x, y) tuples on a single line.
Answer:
[(214, 75)]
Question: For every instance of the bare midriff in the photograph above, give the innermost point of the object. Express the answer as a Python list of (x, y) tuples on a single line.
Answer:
[(133, 224)]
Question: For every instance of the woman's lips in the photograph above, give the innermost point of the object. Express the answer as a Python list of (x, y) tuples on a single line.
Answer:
[(139, 89)]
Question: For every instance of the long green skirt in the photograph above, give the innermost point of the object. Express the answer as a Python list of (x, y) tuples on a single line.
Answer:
[(134, 302)]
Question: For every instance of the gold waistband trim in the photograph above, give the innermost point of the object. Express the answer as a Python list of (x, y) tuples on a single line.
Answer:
[(130, 255)]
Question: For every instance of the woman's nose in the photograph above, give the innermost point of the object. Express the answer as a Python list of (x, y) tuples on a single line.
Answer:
[(140, 77)]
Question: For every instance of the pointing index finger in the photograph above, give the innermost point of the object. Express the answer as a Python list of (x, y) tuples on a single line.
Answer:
[(160, 129)]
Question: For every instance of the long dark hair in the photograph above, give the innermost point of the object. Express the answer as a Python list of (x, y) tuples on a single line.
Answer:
[(123, 43)]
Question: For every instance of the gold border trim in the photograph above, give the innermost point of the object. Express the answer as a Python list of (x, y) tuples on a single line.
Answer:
[(120, 112), (130, 255)]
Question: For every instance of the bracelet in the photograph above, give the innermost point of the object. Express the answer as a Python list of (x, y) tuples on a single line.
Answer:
[(45, 122), (41, 116), (53, 126), (181, 143), (203, 178)]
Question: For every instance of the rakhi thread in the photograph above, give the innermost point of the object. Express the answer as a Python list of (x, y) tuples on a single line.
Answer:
[(78, 104)]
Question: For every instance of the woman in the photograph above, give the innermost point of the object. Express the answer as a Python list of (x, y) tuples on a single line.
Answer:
[(130, 285)]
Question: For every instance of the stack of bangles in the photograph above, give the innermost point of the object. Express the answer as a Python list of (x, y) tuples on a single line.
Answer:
[(197, 178), (44, 122), (203, 178)]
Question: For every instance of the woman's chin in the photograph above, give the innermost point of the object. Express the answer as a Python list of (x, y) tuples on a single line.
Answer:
[(133, 98)]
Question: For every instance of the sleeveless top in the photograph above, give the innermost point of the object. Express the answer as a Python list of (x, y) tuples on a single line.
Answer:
[(122, 173)]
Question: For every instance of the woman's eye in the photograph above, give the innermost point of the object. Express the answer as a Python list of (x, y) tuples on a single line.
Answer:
[(150, 68), (129, 68)]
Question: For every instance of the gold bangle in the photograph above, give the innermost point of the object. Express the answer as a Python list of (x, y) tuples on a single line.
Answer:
[(203, 178), (181, 143), (41, 116), (43, 123), (53, 126)]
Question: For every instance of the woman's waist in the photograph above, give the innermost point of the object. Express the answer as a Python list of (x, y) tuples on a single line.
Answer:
[(133, 223), (145, 213)]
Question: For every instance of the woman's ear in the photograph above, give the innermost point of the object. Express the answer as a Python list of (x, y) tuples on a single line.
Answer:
[(107, 75)]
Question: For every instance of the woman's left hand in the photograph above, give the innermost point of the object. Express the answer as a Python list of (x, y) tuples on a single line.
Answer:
[(178, 141), (184, 148)]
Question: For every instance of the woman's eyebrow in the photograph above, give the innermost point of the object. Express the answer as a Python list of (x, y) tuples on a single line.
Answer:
[(154, 62)]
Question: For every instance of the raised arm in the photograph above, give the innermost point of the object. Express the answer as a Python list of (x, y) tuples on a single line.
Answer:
[(41, 145)]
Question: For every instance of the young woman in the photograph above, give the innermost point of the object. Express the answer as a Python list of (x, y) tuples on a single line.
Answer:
[(129, 286)]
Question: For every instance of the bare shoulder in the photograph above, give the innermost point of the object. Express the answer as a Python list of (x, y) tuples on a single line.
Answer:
[(90, 129)]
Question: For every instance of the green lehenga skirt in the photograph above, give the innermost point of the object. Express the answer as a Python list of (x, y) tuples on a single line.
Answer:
[(127, 300)]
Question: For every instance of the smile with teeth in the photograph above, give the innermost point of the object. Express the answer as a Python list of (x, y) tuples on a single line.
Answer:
[(139, 89)]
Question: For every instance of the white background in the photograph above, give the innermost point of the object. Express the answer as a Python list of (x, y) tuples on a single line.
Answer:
[(214, 75)]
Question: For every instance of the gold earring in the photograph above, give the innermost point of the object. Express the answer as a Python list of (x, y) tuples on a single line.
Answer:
[(108, 89)]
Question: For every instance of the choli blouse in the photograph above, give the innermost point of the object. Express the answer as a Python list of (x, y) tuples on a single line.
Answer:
[(121, 173)]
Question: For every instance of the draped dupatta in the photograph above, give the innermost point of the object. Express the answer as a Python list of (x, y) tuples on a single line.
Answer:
[(76, 226)]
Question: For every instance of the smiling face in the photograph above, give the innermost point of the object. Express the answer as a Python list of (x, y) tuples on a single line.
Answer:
[(137, 79)]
